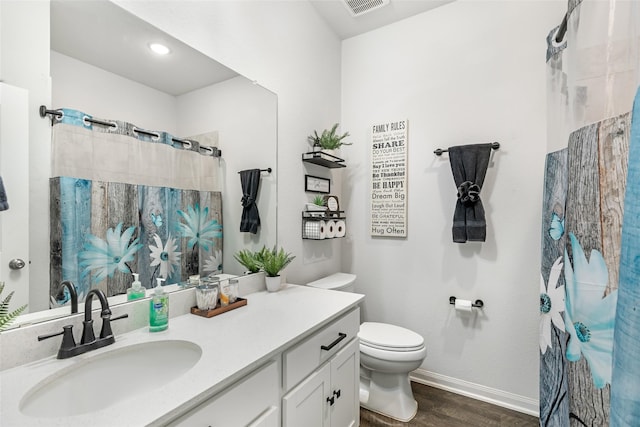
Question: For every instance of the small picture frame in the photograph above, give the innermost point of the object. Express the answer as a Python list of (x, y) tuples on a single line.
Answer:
[(332, 204), (315, 184)]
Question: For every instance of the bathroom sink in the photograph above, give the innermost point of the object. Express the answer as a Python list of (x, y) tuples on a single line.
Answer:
[(95, 383)]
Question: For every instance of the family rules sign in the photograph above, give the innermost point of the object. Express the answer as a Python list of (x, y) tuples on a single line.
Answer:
[(389, 179)]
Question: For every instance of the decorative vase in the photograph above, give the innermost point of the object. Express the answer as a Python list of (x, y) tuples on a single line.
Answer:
[(273, 283)]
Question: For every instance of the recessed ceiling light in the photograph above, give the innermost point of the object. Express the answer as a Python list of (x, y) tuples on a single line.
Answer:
[(160, 49)]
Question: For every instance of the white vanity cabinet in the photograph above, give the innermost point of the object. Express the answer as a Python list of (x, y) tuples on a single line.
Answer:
[(252, 401), (328, 393)]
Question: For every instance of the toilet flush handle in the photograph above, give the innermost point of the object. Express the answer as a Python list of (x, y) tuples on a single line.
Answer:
[(341, 336)]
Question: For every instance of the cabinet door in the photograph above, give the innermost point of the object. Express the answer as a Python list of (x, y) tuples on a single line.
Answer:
[(345, 386), (306, 404)]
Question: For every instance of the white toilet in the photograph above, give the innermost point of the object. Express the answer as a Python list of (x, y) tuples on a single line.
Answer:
[(387, 354)]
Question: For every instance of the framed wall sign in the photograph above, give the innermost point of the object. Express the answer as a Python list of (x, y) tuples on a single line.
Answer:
[(389, 148), (315, 184)]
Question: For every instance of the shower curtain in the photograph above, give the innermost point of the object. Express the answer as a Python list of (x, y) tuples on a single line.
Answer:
[(124, 200), (592, 79)]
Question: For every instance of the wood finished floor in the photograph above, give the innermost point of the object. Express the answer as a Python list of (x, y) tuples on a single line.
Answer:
[(439, 408)]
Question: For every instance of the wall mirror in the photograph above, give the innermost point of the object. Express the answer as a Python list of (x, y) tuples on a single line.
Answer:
[(99, 63)]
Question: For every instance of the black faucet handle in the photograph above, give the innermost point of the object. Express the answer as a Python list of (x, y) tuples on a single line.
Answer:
[(68, 342), (106, 325), (88, 335)]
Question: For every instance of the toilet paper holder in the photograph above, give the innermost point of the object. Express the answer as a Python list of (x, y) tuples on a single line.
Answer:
[(477, 304)]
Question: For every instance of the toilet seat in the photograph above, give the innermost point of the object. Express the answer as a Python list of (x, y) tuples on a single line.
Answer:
[(390, 338)]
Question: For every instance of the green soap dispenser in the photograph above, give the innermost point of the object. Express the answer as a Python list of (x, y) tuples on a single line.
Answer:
[(136, 290), (159, 308)]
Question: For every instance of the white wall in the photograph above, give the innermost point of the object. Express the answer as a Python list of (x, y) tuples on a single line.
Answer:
[(287, 48), (90, 89), (467, 72), (24, 38), (245, 118)]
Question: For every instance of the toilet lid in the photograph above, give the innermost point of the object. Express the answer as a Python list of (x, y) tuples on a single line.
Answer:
[(389, 337)]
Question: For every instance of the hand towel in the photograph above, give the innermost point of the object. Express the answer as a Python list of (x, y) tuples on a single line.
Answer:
[(4, 203), (469, 165), (250, 181)]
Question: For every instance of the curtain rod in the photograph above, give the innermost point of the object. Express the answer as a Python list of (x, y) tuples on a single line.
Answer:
[(59, 114), (439, 151)]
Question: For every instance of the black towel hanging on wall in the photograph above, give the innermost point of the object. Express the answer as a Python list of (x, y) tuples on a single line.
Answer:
[(469, 165), (250, 181)]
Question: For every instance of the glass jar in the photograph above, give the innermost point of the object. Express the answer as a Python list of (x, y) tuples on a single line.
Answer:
[(207, 294)]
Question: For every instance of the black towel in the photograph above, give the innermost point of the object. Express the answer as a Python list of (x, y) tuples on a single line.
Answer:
[(4, 203), (250, 181), (469, 165)]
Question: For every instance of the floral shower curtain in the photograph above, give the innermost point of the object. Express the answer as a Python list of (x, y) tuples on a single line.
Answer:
[(124, 200), (592, 78)]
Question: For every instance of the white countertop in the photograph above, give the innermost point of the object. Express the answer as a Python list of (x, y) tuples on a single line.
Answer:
[(233, 344)]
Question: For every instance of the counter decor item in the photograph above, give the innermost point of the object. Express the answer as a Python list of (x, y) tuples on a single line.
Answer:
[(207, 295), (6, 317), (240, 302), (214, 297), (250, 260), (136, 290), (273, 262), (159, 308)]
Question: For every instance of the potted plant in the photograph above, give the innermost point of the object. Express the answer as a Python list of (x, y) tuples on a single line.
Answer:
[(273, 262), (6, 317), (328, 139), (250, 260), (317, 205)]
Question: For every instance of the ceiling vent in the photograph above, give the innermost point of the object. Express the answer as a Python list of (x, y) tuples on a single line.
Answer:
[(360, 7)]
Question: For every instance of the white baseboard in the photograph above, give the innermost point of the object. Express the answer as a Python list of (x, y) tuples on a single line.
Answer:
[(494, 396)]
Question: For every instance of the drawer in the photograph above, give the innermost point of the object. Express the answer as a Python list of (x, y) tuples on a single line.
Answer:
[(305, 357), (252, 401)]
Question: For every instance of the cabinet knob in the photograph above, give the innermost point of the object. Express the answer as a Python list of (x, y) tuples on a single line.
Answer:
[(337, 394), (331, 400)]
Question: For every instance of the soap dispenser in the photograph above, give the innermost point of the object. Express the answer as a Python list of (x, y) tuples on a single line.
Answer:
[(136, 290), (159, 308)]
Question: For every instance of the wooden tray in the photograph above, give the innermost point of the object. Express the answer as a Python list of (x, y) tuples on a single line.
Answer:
[(218, 310)]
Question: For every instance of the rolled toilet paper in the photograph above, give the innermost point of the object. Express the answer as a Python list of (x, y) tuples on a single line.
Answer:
[(330, 229), (463, 305), (341, 228), (323, 230)]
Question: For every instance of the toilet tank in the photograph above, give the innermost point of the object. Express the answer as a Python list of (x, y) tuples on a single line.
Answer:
[(338, 282)]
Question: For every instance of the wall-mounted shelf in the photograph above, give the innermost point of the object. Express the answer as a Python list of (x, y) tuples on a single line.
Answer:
[(323, 159), (315, 225)]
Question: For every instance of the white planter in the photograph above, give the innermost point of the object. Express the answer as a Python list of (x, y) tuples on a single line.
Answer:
[(273, 283), (312, 207)]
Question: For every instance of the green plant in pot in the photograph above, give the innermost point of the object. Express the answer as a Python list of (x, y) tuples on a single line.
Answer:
[(328, 139), (250, 260), (317, 204), (273, 262)]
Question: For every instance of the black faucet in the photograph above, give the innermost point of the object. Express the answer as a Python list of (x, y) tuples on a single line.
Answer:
[(72, 291), (69, 348)]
